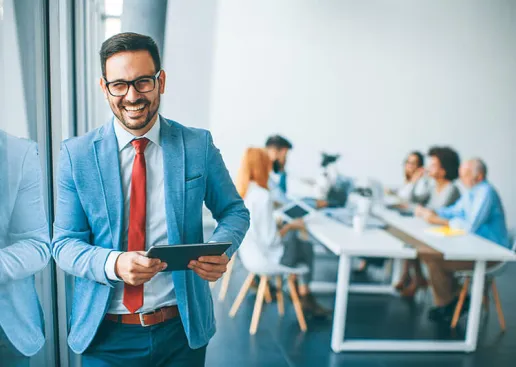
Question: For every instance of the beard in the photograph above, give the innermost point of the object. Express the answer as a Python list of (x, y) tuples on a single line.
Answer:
[(140, 123)]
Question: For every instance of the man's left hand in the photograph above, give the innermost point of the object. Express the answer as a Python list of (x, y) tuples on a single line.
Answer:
[(210, 268)]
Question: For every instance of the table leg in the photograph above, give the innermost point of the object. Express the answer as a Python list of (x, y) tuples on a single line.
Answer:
[(396, 271), (475, 308), (341, 303)]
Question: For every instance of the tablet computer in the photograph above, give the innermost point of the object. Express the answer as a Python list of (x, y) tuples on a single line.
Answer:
[(296, 210), (178, 257)]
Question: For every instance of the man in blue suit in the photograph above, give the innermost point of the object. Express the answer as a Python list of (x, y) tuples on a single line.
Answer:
[(24, 250), (138, 181)]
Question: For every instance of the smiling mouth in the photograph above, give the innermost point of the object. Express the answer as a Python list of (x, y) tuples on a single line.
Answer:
[(135, 108)]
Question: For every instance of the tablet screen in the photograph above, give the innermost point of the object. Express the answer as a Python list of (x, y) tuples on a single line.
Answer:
[(296, 212)]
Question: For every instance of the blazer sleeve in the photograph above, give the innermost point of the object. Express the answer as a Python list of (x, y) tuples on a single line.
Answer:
[(29, 249), (223, 200), (71, 247)]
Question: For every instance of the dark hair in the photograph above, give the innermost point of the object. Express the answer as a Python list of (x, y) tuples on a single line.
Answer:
[(128, 42), (420, 158), (449, 160), (278, 141)]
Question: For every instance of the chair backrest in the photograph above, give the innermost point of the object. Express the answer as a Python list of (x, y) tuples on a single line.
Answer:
[(497, 269), (512, 237), (513, 248)]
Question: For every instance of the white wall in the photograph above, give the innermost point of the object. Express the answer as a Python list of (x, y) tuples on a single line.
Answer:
[(369, 79), (188, 61)]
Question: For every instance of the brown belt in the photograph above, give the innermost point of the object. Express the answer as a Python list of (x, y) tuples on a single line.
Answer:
[(145, 319)]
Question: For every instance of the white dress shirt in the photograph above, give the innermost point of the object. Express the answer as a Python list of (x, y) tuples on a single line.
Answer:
[(159, 291)]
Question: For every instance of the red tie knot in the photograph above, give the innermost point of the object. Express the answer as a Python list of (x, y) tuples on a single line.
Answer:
[(140, 145)]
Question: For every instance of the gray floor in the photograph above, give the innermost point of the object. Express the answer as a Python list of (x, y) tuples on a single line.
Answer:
[(279, 341)]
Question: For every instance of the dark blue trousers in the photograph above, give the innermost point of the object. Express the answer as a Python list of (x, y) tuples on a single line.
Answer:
[(161, 345), (9, 356)]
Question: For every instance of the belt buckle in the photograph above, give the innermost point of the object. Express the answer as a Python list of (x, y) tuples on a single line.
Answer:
[(142, 322)]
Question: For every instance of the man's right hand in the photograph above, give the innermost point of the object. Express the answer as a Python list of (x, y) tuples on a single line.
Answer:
[(135, 268), (298, 224)]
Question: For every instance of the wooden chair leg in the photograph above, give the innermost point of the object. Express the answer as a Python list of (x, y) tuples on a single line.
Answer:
[(485, 303), (225, 280), (458, 308), (279, 296), (297, 304), (498, 305), (268, 296), (241, 295), (258, 305), (485, 298)]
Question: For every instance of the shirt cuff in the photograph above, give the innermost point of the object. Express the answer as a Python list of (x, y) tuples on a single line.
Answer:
[(457, 223), (109, 267)]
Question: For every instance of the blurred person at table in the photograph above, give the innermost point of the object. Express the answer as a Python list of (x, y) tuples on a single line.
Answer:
[(416, 188), (277, 148), (478, 211), (443, 169), (277, 243)]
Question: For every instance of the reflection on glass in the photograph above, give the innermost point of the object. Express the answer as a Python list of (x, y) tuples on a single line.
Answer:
[(24, 250), (112, 13)]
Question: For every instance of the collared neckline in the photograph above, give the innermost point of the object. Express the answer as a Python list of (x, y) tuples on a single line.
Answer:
[(124, 137), (479, 185)]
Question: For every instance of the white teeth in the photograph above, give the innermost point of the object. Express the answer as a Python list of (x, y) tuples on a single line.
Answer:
[(135, 108)]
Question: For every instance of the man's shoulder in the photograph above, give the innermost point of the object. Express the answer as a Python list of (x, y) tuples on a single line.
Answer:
[(81, 143), (15, 148), (486, 189), (17, 144), (187, 131)]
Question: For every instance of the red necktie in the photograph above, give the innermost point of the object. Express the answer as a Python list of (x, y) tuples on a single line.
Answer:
[(133, 295)]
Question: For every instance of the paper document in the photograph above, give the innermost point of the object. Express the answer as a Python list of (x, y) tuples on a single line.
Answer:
[(445, 231)]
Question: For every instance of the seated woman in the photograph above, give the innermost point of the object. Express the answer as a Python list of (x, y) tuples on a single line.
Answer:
[(280, 244), (443, 169)]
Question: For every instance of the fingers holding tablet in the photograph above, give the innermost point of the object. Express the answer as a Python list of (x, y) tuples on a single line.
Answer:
[(135, 268), (210, 268)]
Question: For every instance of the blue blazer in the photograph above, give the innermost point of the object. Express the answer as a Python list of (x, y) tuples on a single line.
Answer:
[(89, 217), (24, 243)]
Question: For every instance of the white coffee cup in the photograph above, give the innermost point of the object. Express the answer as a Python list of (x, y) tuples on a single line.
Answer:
[(363, 206), (359, 222)]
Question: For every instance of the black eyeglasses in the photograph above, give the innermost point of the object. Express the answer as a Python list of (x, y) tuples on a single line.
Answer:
[(144, 84)]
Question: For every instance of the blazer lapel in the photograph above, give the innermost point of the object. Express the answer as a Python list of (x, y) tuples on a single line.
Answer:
[(106, 154), (174, 174)]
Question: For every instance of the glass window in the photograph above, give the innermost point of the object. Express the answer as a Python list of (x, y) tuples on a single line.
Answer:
[(24, 186), (112, 17)]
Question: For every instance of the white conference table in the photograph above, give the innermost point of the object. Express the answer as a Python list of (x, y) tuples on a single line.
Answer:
[(344, 242)]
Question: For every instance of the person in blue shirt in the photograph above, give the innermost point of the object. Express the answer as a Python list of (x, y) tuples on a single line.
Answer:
[(478, 211), (138, 181), (24, 250), (277, 148)]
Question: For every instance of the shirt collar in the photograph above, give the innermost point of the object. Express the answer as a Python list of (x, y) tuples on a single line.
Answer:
[(475, 188), (124, 137)]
